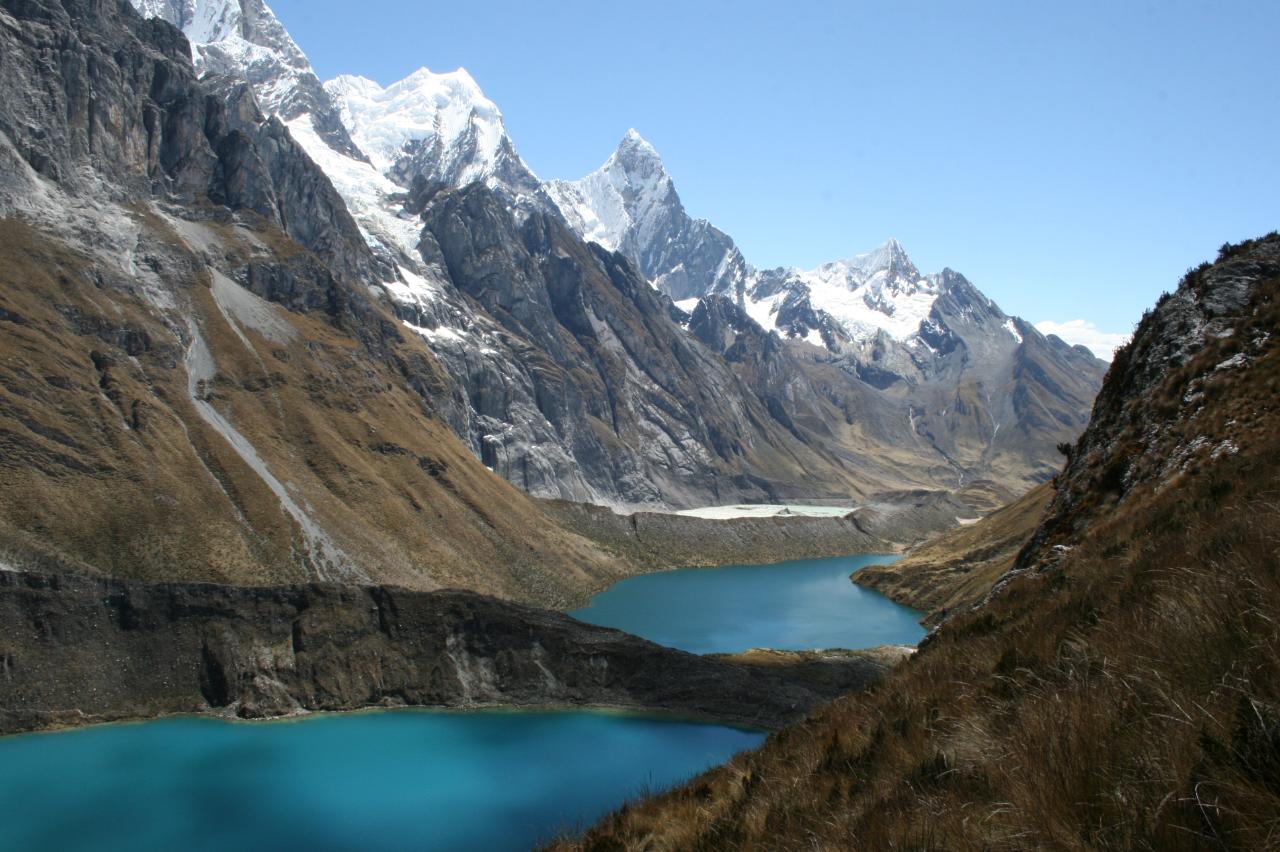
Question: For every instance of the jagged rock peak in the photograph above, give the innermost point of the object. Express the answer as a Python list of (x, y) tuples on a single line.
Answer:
[(244, 39), (626, 200)]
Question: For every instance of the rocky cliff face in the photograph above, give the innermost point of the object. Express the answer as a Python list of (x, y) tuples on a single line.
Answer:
[(892, 346), (198, 380), (643, 409), (139, 651), (984, 393)]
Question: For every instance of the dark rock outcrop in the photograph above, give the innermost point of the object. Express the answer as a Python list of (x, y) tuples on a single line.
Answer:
[(645, 412), (1161, 414), (77, 650)]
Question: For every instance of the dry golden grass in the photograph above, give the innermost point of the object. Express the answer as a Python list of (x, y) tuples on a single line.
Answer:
[(108, 467), (1126, 698), (959, 567), (1125, 702)]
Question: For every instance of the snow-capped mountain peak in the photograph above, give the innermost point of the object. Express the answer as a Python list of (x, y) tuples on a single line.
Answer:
[(888, 264), (883, 257), (241, 37), (879, 290), (635, 148), (623, 200), (437, 126), (425, 108)]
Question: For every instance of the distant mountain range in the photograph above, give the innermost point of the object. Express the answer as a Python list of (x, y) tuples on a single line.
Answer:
[(718, 382), (590, 340)]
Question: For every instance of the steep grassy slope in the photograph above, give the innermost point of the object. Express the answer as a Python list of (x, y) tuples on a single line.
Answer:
[(110, 465), (959, 567), (1121, 689)]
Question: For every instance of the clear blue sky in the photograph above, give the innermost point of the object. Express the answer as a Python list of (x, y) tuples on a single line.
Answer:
[(1071, 158)]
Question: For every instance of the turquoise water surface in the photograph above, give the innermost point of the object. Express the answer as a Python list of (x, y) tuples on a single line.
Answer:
[(378, 780), (806, 603), (429, 780)]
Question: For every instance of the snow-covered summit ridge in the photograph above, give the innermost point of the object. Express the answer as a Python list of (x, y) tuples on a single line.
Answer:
[(630, 205), (447, 110), (441, 127), (879, 290), (624, 197)]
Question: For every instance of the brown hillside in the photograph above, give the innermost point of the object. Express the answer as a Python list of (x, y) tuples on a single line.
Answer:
[(109, 468), (959, 567), (1122, 687)]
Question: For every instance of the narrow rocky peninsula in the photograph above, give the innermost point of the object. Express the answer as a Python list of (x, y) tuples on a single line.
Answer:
[(77, 650)]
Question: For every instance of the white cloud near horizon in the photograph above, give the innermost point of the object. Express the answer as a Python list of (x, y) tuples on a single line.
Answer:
[(1082, 332)]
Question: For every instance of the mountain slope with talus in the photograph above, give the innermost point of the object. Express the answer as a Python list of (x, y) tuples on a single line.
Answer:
[(1117, 688), (880, 379), (199, 381), (942, 356)]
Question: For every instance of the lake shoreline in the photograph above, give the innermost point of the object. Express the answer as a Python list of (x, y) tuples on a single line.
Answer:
[(645, 541), (641, 712), (791, 605), (80, 650)]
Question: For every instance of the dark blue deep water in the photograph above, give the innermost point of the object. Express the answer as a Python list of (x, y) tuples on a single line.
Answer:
[(379, 780), (807, 603)]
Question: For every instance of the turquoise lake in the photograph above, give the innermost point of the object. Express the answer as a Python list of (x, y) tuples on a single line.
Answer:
[(427, 780), (379, 780), (806, 603)]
